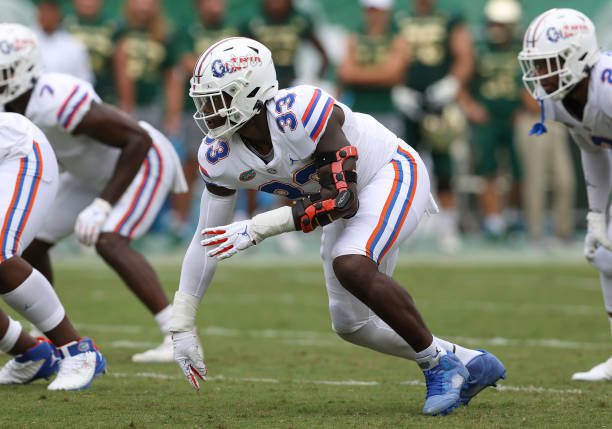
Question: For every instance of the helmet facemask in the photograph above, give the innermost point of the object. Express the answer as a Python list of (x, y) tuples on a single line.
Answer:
[(539, 67)]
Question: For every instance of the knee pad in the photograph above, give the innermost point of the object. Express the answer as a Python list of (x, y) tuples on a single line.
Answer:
[(36, 300), (344, 321)]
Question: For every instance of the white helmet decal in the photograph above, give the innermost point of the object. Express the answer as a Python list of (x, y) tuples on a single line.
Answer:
[(235, 70), (561, 43), (20, 63)]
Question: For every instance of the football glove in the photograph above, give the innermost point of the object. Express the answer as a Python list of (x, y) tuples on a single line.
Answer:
[(188, 355), (596, 234), (442, 92), (230, 239), (90, 221), (408, 101)]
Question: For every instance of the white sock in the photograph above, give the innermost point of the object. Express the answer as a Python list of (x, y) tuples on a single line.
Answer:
[(10, 337), (465, 355), (430, 357), (377, 335), (163, 319), (36, 300)]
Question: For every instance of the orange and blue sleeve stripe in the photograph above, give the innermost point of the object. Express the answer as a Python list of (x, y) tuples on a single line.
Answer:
[(317, 113), (71, 106), (22, 201), (391, 221), (145, 194)]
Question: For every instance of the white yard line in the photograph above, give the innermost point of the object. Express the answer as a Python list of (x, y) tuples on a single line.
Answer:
[(328, 339), (351, 383)]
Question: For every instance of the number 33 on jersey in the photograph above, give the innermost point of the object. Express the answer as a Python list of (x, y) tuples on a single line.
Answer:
[(296, 117)]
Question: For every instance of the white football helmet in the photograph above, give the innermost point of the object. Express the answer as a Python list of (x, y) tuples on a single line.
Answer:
[(243, 70), (559, 42), (20, 61)]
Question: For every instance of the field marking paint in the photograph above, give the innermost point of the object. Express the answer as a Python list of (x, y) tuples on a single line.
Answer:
[(349, 383)]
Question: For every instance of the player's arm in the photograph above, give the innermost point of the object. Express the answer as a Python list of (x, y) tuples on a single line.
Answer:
[(113, 127), (352, 73), (336, 160), (216, 208), (445, 90), (126, 91), (596, 164), (462, 51)]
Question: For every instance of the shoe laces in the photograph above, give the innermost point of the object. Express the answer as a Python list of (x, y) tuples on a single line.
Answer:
[(436, 381), (72, 364)]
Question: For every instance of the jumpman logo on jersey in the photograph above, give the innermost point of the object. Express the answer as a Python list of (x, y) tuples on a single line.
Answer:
[(47, 88)]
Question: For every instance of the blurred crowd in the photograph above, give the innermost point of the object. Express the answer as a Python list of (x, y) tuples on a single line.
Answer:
[(453, 93)]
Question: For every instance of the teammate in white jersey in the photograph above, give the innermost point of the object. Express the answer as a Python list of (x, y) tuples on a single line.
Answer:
[(28, 184), (564, 69), (116, 173), (347, 173)]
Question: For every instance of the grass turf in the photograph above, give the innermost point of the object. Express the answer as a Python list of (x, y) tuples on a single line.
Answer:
[(274, 362)]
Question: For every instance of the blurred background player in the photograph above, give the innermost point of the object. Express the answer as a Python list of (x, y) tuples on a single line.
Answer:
[(117, 174), (60, 51), (441, 63), (564, 68), (96, 31), (210, 27), (491, 106), (282, 27), (28, 185), (375, 61), (144, 59)]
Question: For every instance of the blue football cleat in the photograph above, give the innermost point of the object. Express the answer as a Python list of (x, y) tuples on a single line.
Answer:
[(41, 361), (444, 383), (485, 370)]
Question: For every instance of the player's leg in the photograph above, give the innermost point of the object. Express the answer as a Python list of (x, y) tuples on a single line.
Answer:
[(603, 262), (26, 290), (131, 218), (351, 319), (34, 358), (486, 143), (398, 195), (73, 195)]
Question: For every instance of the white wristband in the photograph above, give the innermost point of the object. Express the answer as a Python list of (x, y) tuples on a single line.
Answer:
[(271, 223), (184, 311)]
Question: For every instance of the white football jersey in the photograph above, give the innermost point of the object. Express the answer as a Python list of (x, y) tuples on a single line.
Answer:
[(595, 130), (297, 117), (57, 105), (16, 136)]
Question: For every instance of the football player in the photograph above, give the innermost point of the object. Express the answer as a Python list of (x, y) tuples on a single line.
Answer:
[(565, 70), (116, 175), (367, 189), (28, 185)]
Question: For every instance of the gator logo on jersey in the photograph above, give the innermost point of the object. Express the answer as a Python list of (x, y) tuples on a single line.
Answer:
[(220, 68), (245, 176)]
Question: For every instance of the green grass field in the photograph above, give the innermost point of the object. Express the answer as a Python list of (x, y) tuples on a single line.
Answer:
[(275, 363)]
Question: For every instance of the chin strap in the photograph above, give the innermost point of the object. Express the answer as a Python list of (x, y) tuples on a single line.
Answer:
[(539, 128)]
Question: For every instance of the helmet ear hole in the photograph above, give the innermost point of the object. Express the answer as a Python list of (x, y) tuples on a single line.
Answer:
[(253, 93)]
